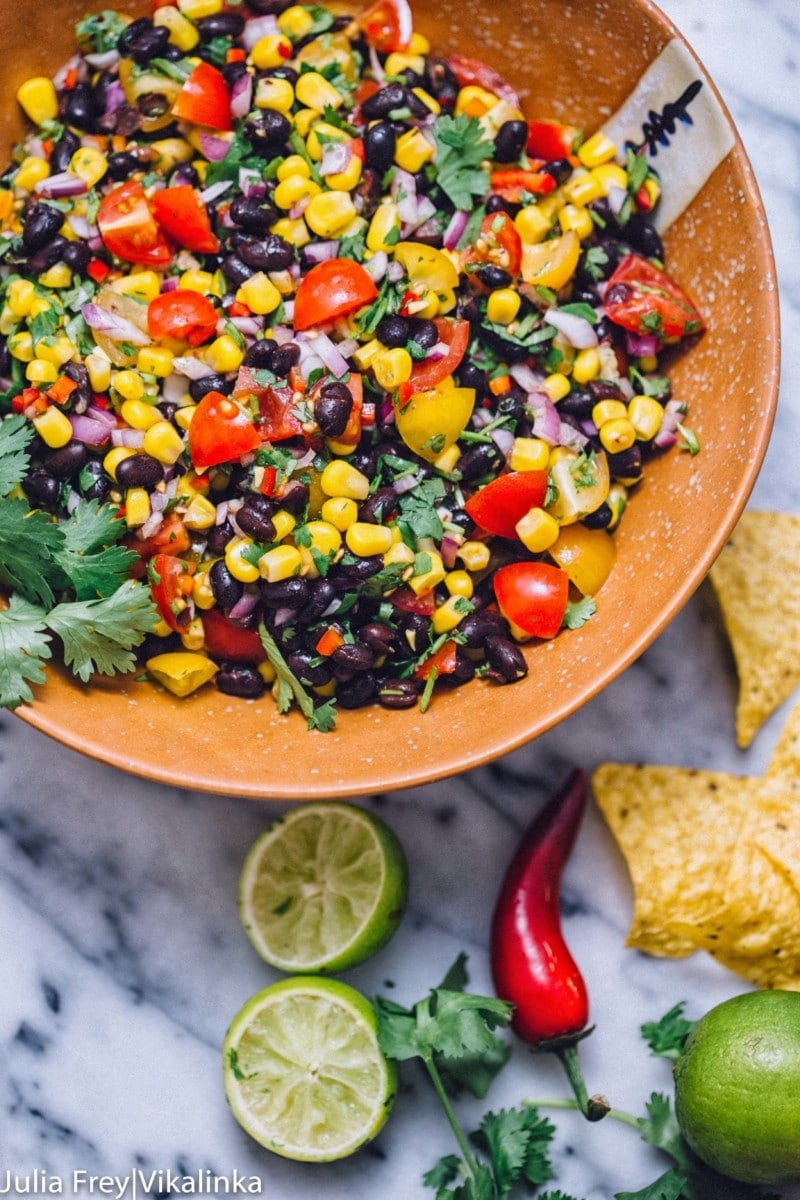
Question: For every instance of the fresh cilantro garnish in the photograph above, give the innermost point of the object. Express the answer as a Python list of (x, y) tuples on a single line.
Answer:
[(24, 646), (581, 309), (688, 440), (239, 154), (578, 612), (29, 545), (291, 691), (16, 434), (100, 32), (94, 565), (595, 260), (649, 385), (636, 169), (666, 1036), (461, 150), (418, 516)]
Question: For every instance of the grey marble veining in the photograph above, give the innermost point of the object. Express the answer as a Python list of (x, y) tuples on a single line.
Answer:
[(121, 955)]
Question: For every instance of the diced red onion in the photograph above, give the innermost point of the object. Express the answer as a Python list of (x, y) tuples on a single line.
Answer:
[(387, 411), (297, 210), (528, 379), (330, 354), (376, 266), (481, 417), (158, 501), (152, 524), (104, 415), (667, 434), (215, 148), (376, 67), (102, 62), (251, 183), (641, 345), (282, 335), (62, 184), (248, 326), (241, 95), (405, 483), (288, 310), (191, 368), (317, 252), (395, 271), (571, 437), (209, 194), (449, 549), (80, 226), (132, 439), (425, 210), (243, 606), (455, 229), (504, 440), (616, 198), (257, 28), (347, 347), (114, 98), (404, 194), (284, 615), (74, 501), (114, 327), (546, 421), (579, 332), (335, 158), (221, 514), (84, 429), (170, 284)]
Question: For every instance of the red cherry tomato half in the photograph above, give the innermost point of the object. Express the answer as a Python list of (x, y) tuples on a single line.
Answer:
[(226, 641), (642, 298), (168, 576), (454, 334), (532, 596), (502, 503), (129, 229), (470, 71), (551, 139), (183, 216), (183, 315), (171, 537), (499, 244), (204, 99), (387, 25), (221, 431), (331, 289)]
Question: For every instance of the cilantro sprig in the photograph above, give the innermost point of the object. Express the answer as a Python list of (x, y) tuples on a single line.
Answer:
[(462, 149), (290, 690)]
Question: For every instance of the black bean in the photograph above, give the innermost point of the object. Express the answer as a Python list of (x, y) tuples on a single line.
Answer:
[(322, 596), (399, 693), (380, 638), (150, 43), (415, 628), (478, 460), (295, 497), (233, 71), (79, 106), (332, 408), (505, 659), (5, 359), (353, 656), (42, 489), (130, 33), (47, 256), (471, 376), (358, 691), (464, 671), (122, 164), (249, 214), (385, 101), (423, 332), (496, 203), (42, 223), (268, 132), (510, 140), (235, 679), (63, 151), (260, 354), (82, 396), (393, 331), (286, 593), (627, 465), (286, 357), (218, 537), (77, 256), (210, 383), (480, 625), (560, 169), (493, 277), (442, 82), (234, 270), (139, 470), (271, 253), (268, 6), (379, 507), (67, 461), (601, 518), (309, 669), (642, 236), (578, 404), (357, 569), (93, 482), (255, 518), (224, 24), (227, 589), (380, 142)]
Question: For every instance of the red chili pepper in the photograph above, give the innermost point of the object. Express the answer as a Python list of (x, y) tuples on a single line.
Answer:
[(531, 964)]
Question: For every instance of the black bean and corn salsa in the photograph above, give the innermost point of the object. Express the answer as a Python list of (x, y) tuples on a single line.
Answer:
[(324, 369)]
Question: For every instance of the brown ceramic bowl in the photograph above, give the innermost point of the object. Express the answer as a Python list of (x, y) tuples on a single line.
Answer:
[(674, 528)]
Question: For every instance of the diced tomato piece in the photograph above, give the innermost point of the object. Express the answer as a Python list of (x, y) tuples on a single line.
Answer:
[(182, 314), (514, 183), (453, 333), (225, 641), (532, 596), (499, 244), (387, 25), (443, 661), (644, 299), (171, 537), (277, 418), (183, 216), (129, 229), (221, 431), (168, 576), (204, 99), (498, 507), (551, 140), (332, 289), (406, 599)]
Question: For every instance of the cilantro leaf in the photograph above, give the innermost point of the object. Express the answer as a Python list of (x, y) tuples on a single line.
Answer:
[(660, 1129), (418, 515), (666, 1036), (578, 612), (517, 1142), (290, 690), (461, 149), (668, 1186), (94, 565), (29, 544), (99, 32), (98, 635), (24, 646), (16, 434)]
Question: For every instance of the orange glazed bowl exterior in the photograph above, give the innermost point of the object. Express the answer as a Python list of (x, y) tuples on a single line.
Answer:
[(674, 527)]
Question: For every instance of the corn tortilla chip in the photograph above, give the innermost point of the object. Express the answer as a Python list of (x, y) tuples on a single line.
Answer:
[(785, 759), (757, 582)]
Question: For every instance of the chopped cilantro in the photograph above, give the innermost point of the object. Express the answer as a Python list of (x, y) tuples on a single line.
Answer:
[(461, 150)]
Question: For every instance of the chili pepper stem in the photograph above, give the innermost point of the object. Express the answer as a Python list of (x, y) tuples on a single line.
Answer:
[(594, 1108), (616, 1114), (451, 1116)]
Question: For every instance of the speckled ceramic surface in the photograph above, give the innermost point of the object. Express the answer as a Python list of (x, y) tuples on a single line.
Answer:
[(678, 520)]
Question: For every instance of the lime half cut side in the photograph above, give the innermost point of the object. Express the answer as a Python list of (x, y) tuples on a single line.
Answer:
[(323, 888), (304, 1074)]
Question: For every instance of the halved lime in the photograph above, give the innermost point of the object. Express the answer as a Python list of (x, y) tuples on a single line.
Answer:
[(303, 1071), (323, 888)]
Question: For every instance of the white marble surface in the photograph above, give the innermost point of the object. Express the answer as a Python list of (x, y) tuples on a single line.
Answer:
[(121, 956)]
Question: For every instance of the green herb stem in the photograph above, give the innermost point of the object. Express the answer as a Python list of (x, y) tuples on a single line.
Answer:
[(450, 1114), (616, 1114)]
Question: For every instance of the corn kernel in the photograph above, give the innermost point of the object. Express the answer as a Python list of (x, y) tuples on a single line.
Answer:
[(323, 536), (40, 371), (275, 94), (31, 171), (284, 523), (459, 583), (98, 365), (537, 530), (338, 478), (237, 563), (271, 51), (281, 562), (529, 454), (653, 189), (392, 367), (155, 360), (400, 60), (200, 513), (37, 97), (129, 385), (608, 410), (399, 554), (447, 461), (295, 164), (193, 638), (195, 10), (169, 152), (89, 164), (532, 224), (137, 507), (474, 555), (582, 189), (340, 511), (196, 280), (384, 227), (58, 350), (39, 305), (419, 44), (609, 175), (450, 614), (575, 218), (586, 365), (141, 285), (162, 441), (8, 322), (182, 33), (267, 672), (295, 22), (314, 91), (224, 354), (20, 346), (430, 102), (292, 230), (412, 151), (183, 416), (293, 189), (503, 306), (346, 180), (261, 297), (617, 435), (53, 428), (474, 101), (19, 297), (321, 134), (328, 213), (57, 276), (365, 539), (137, 414), (645, 414), (597, 149), (427, 580), (114, 457)]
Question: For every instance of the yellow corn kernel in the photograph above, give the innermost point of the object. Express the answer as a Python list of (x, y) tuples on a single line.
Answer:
[(20, 346), (295, 22), (195, 10), (281, 562), (294, 188), (597, 149), (582, 189), (322, 536), (450, 614), (573, 217), (193, 637), (40, 304), (224, 354), (339, 511), (559, 453), (448, 459), (57, 276), (430, 102), (412, 151), (304, 119), (399, 553), (19, 297), (384, 227), (89, 164), (459, 583), (138, 414), (141, 285), (392, 367), (183, 416), (200, 513), (617, 435), (284, 523), (58, 350), (275, 94), (267, 672), (114, 457), (137, 507), (314, 91), (366, 353), (31, 171), (419, 44), (645, 414), (365, 539), (53, 427), (37, 97), (155, 360), (529, 454), (320, 133), (129, 385), (474, 100), (402, 60), (182, 33), (162, 441), (8, 322), (346, 180), (261, 297), (503, 306), (294, 165), (39, 370), (339, 478), (427, 580), (196, 280), (586, 365), (169, 152), (474, 555), (328, 213), (292, 230), (202, 591), (608, 410), (537, 530), (532, 224), (98, 365), (238, 563), (270, 51), (648, 363), (609, 175)]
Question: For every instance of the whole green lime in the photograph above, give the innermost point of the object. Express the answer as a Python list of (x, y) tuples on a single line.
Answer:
[(737, 1088)]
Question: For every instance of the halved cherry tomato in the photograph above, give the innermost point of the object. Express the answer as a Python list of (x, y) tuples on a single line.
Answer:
[(204, 99), (444, 661), (532, 596), (181, 314), (407, 600), (643, 298), (226, 641), (183, 216), (277, 418), (387, 25), (516, 182), (168, 577), (129, 229), (502, 503), (498, 244), (551, 139), (470, 71), (331, 289), (171, 537), (454, 334), (221, 431)]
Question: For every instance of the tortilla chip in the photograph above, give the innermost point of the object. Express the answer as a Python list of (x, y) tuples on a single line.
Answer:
[(785, 759), (757, 582)]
